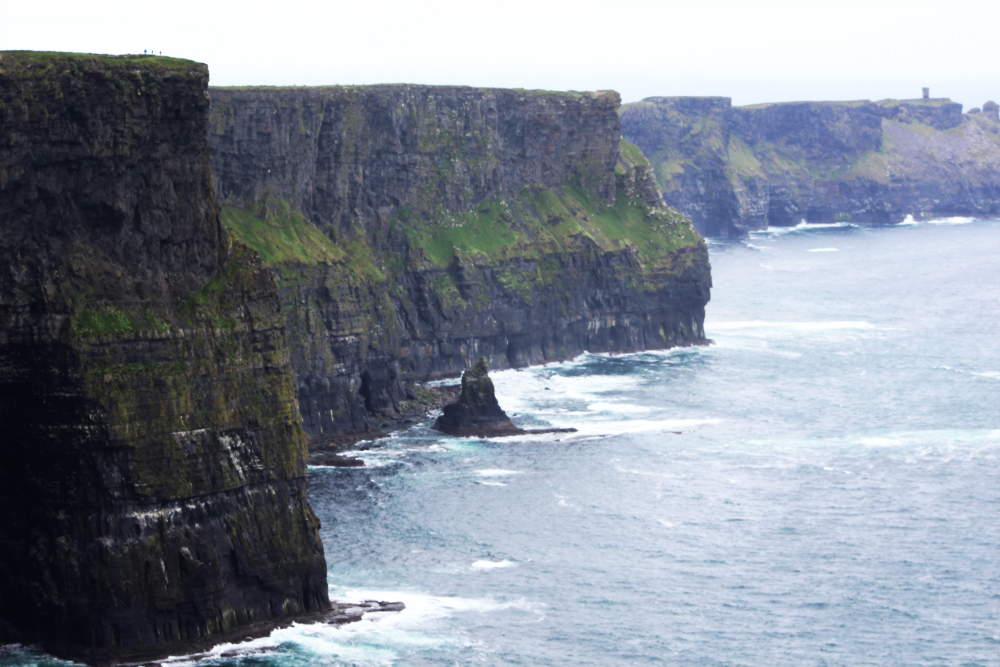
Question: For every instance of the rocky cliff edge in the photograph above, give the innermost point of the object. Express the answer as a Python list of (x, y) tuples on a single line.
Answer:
[(414, 229), (152, 464), (738, 169)]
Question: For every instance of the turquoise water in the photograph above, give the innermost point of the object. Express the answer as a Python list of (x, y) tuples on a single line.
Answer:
[(819, 487)]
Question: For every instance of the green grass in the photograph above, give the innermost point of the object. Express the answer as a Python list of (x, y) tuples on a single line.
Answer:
[(212, 304), (101, 322), (543, 220), (932, 102), (629, 157), (281, 234), (42, 61), (741, 157)]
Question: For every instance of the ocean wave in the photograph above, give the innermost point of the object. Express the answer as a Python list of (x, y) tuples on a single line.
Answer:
[(952, 220), (993, 375), (615, 427), (833, 325), (497, 472), (625, 408), (932, 438), (821, 250), (493, 565), (801, 227), (762, 347)]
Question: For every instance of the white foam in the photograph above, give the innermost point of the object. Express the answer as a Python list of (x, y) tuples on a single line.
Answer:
[(933, 438), (493, 483), (953, 220), (497, 472), (821, 250), (801, 227), (492, 565), (617, 407), (833, 325), (614, 427), (994, 375)]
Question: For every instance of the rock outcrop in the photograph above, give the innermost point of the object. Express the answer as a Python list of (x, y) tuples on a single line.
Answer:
[(476, 412), (152, 462), (413, 229), (737, 169)]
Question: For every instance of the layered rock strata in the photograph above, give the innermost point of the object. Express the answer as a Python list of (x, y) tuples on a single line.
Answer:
[(476, 412), (737, 169), (414, 229), (152, 464)]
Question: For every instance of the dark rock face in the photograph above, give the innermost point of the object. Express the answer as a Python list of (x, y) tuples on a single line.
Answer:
[(736, 169), (473, 219), (476, 412), (349, 155), (152, 464), (686, 139)]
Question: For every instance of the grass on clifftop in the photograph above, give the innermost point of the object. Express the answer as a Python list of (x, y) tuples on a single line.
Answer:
[(932, 102), (44, 61)]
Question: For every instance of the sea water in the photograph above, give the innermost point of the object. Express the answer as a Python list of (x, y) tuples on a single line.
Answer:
[(820, 486)]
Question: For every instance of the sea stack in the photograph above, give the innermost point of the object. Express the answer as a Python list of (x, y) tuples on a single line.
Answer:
[(476, 412)]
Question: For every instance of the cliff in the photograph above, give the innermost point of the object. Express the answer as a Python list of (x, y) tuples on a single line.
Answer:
[(736, 169), (414, 229), (152, 465)]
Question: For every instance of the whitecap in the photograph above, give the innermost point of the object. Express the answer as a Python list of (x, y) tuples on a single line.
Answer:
[(493, 483), (988, 374), (492, 565), (951, 220), (496, 472), (801, 227), (821, 250), (954, 220), (617, 407)]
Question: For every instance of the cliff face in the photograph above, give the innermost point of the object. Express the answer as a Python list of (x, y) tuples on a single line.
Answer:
[(735, 169), (415, 229), (153, 461)]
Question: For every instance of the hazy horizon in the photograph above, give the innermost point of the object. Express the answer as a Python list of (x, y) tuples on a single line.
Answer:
[(766, 51)]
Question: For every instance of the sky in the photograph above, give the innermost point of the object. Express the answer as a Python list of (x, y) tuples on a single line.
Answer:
[(752, 51)]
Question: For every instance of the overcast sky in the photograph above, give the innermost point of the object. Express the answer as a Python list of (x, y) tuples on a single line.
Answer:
[(751, 50)]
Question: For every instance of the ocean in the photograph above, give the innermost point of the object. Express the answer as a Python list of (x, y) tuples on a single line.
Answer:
[(820, 486)]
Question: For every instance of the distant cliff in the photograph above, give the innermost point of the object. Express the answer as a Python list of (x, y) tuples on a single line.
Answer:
[(736, 169), (152, 462), (414, 229)]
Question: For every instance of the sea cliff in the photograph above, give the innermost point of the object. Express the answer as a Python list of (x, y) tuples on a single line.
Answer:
[(737, 169), (152, 464), (413, 229)]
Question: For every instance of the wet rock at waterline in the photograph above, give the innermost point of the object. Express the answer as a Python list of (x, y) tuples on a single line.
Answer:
[(477, 411)]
